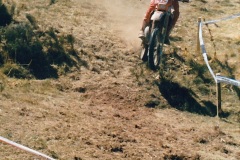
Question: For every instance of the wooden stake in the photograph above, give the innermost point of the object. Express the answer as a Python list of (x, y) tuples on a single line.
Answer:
[(219, 99), (198, 42)]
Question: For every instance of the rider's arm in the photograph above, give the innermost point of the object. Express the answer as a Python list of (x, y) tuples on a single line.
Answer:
[(149, 11)]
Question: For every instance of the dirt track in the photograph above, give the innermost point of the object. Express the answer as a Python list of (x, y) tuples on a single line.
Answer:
[(107, 109)]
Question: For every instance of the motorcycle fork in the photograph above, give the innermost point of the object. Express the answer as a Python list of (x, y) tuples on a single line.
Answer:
[(162, 25)]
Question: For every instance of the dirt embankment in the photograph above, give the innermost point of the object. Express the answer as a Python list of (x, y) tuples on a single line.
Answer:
[(113, 107)]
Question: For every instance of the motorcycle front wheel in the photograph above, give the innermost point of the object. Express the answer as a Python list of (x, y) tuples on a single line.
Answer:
[(155, 50), (144, 53)]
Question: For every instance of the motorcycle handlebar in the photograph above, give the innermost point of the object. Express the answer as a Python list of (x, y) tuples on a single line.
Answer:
[(185, 0)]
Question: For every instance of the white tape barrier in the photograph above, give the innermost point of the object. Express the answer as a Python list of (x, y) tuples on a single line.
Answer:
[(221, 79), (204, 52), (25, 148), (217, 79), (223, 19)]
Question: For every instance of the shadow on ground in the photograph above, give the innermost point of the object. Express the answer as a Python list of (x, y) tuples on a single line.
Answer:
[(6, 18), (183, 99)]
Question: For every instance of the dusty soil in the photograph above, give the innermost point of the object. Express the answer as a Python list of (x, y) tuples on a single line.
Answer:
[(114, 107)]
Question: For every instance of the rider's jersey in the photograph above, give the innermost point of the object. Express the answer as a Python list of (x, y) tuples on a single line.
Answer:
[(154, 4)]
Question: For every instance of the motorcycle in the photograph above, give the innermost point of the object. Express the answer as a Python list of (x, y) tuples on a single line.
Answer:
[(155, 33)]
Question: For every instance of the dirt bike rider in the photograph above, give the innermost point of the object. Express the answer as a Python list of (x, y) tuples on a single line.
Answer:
[(147, 17)]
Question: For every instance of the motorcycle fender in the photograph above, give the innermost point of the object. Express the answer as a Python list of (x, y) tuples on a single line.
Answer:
[(157, 15)]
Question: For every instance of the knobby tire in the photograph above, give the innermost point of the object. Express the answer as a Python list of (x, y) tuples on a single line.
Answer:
[(154, 50)]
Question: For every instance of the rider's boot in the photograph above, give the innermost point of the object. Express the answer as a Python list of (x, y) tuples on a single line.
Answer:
[(141, 34), (167, 41)]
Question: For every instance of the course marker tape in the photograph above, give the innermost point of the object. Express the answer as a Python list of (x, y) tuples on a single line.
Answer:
[(217, 79), (25, 148), (221, 79), (222, 19), (204, 52)]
